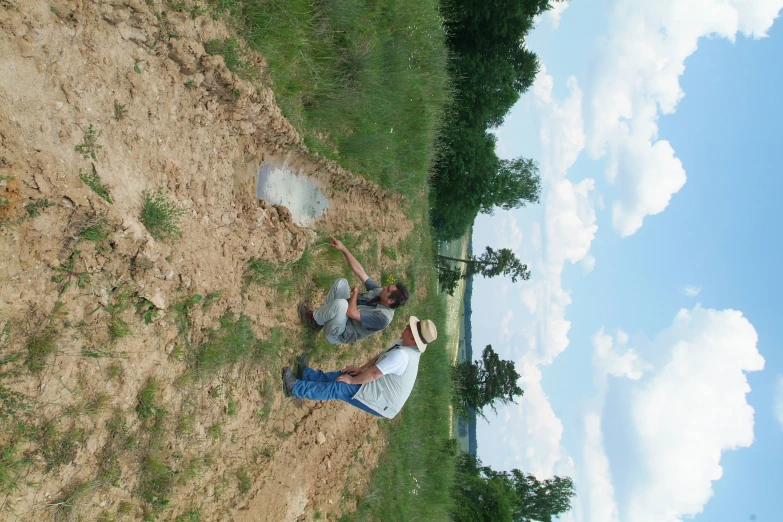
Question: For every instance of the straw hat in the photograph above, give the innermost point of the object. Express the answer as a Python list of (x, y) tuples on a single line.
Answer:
[(424, 332)]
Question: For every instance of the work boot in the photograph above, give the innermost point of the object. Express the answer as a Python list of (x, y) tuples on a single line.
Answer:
[(306, 315), (301, 364), (288, 381)]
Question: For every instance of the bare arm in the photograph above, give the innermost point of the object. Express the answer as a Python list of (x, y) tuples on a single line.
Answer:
[(357, 268), (370, 374), (356, 370), (353, 306)]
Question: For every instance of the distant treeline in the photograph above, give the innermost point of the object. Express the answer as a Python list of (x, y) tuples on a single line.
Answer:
[(490, 67)]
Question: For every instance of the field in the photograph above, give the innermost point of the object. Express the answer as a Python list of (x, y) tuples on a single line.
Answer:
[(148, 300)]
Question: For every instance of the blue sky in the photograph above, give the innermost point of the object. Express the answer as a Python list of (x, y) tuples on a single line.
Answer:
[(649, 336)]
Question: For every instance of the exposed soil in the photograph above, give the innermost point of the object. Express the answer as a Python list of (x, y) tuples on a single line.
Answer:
[(192, 127)]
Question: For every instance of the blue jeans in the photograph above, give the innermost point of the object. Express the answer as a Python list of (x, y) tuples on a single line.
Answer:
[(320, 386)]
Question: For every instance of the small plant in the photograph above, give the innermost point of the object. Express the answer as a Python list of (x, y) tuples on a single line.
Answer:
[(190, 84), (160, 216), (125, 508), (233, 56), (215, 431), (39, 347), (245, 483), (231, 407), (119, 111), (89, 147), (259, 272), (94, 182), (68, 503), (118, 328), (210, 298), (66, 273), (57, 449), (10, 468), (147, 405), (136, 67), (96, 404), (191, 515), (97, 232), (114, 371), (34, 209), (156, 482)]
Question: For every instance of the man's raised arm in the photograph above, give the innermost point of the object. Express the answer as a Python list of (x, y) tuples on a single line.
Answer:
[(357, 268)]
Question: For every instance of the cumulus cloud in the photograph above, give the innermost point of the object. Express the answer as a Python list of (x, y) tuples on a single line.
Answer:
[(613, 356), (554, 15), (637, 79), (779, 400), (692, 410), (504, 329), (691, 290), (588, 263), (508, 234), (602, 506)]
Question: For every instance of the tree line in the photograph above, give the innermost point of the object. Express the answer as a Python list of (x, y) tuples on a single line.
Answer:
[(490, 67)]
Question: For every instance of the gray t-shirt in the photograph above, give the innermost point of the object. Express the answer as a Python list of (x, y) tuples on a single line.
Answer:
[(374, 316)]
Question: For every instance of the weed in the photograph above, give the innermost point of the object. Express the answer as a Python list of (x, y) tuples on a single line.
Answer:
[(136, 67), (119, 111), (215, 431), (68, 503), (210, 298), (118, 442), (118, 328), (265, 349), (39, 347), (114, 371), (267, 400), (227, 345), (10, 468), (96, 404), (89, 147), (147, 405), (391, 253), (191, 515), (34, 209), (231, 407), (190, 84), (186, 424), (233, 56), (245, 483), (66, 273), (125, 508), (98, 233), (259, 272), (160, 216), (94, 182), (156, 482), (57, 449), (177, 353)]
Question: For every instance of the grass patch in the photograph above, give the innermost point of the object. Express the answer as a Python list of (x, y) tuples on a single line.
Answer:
[(34, 209), (11, 467), (156, 482), (96, 185), (233, 340), (365, 83), (234, 56), (57, 449), (119, 111), (67, 505), (160, 216), (147, 404), (39, 347), (245, 482)]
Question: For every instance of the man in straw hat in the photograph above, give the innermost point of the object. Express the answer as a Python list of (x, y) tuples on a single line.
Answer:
[(380, 386)]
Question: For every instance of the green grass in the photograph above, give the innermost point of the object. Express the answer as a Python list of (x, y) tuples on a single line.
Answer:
[(70, 501), (94, 182), (156, 482), (365, 83), (233, 340), (234, 56), (11, 466), (98, 233), (147, 404), (245, 482), (39, 347), (160, 216)]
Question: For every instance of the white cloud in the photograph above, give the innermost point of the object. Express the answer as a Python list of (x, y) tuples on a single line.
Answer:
[(508, 233), (554, 15), (693, 410), (615, 358), (637, 79), (602, 506), (504, 329), (691, 290), (588, 263), (779, 400)]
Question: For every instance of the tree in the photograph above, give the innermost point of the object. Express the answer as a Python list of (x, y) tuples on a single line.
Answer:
[(484, 382), (483, 494), (538, 500), (493, 263), (516, 183)]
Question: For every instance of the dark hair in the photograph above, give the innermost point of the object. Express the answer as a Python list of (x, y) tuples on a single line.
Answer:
[(400, 296)]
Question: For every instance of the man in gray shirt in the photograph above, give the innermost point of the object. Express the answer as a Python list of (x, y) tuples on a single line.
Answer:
[(348, 316)]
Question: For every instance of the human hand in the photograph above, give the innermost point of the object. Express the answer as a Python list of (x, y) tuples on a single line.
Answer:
[(336, 243), (347, 379), (352, 370), (355, 290)]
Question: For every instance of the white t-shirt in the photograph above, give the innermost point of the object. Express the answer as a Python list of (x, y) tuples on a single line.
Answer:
[(395, 362)]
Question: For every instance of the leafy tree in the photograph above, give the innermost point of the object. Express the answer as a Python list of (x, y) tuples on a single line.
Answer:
[(516, 183), (483, 494), (493, 263), (484, 382)]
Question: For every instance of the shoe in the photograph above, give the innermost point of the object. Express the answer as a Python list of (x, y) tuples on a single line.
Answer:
[(288, 382), (301, 364), (306, 316)]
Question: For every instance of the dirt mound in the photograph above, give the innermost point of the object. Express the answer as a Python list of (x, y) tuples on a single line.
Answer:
[(100, 104)]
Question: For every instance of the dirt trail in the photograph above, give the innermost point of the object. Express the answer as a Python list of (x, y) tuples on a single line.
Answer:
[(190, 126)]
